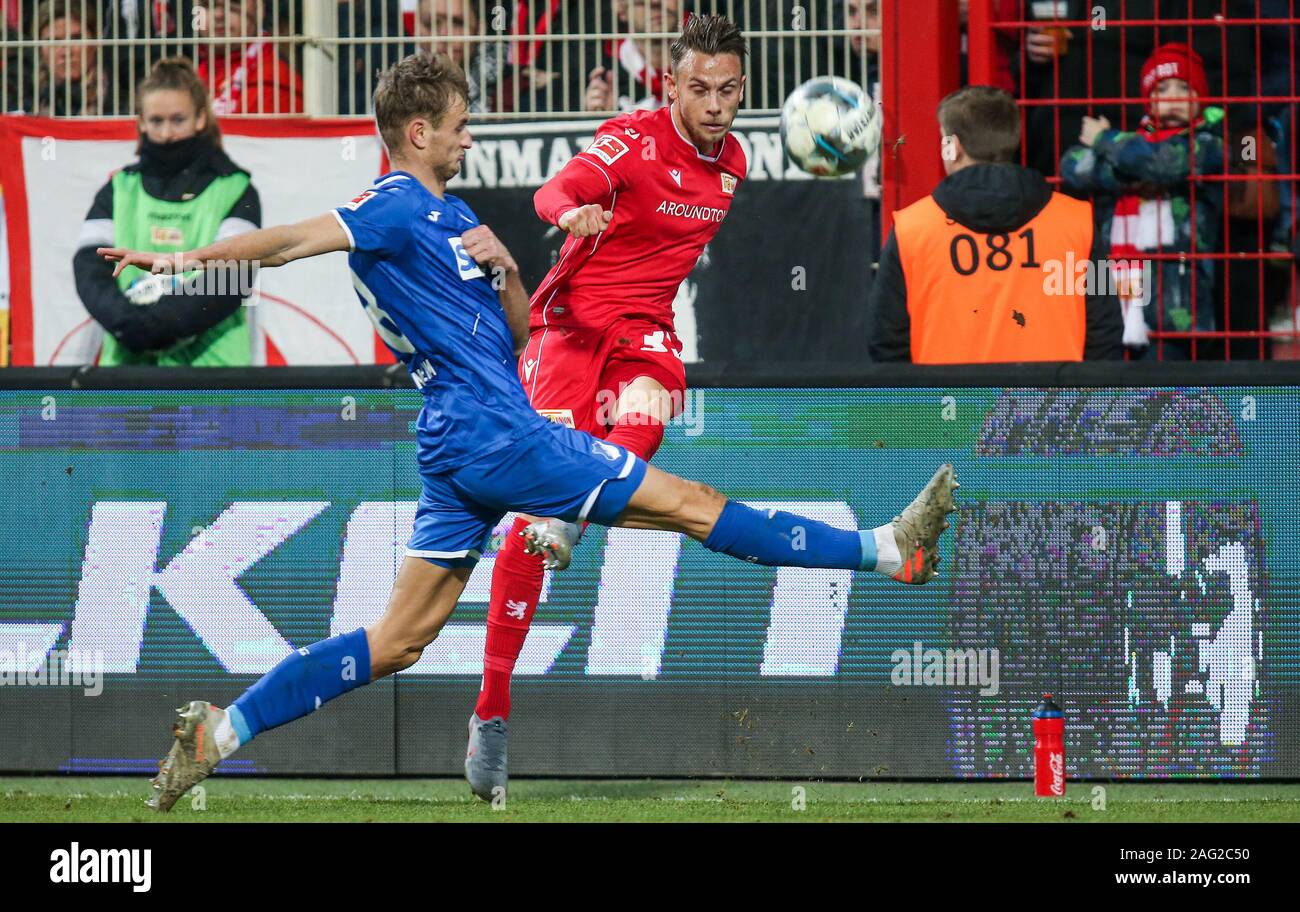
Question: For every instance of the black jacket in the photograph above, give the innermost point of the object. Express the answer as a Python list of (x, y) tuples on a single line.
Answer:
[(986, 199), (173, 317)]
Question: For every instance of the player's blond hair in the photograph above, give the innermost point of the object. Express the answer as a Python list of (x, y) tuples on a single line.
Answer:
[(420, 85)]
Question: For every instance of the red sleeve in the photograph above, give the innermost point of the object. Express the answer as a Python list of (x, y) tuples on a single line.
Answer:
[(587, 178)]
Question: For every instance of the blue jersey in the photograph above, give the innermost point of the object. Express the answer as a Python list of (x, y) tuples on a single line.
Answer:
[(439, 314)]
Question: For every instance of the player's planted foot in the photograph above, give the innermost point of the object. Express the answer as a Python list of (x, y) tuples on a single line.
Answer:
[(193, 756), (553, 539), (917, 530), (485, 759)]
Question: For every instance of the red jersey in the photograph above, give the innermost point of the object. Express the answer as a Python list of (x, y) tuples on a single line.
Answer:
[(257, 81), (668, 201)]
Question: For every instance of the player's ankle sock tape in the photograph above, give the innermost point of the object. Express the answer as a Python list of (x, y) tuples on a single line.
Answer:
[(778, 539), (304, 681), (884, 550), (638, 433), (231, 732)]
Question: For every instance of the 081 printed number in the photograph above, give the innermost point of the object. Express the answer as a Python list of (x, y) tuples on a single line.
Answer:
[(966, 257)]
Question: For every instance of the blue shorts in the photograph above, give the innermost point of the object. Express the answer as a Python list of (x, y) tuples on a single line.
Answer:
[(556, 472)]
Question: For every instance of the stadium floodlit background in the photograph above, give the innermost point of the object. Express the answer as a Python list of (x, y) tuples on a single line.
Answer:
[(1130, 548)]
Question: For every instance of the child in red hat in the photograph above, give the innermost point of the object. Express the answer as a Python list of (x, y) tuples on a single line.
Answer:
[(1145, 181), (1173, 81)]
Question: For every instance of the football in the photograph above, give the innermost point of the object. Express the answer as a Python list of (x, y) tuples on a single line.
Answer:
[(829, 126)]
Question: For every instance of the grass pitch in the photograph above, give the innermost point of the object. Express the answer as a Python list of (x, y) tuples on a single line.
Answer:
[(121, 800)]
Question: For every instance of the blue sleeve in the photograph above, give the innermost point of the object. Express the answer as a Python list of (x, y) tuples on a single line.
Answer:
[(378, 221)]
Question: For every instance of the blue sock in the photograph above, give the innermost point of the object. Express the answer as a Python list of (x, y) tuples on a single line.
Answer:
[(304, 680), (778, 539)]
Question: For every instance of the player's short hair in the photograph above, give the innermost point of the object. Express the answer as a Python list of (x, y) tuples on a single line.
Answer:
[(711, 35), (985, 119), (420, 85)]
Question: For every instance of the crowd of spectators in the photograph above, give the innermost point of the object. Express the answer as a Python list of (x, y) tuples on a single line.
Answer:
[(68, 79), (1082, 90), (242, 49), (521, 56)]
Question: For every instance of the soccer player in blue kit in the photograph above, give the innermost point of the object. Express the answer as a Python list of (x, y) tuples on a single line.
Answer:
[(446, 297)]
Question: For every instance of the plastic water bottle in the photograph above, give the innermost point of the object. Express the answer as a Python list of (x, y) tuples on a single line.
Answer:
[(1049, 749)]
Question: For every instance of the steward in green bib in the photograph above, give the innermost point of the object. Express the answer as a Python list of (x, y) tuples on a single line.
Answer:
[(183, 193)]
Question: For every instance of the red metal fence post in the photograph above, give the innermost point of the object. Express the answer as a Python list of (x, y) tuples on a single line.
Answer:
[(980, 69), (920, 64)]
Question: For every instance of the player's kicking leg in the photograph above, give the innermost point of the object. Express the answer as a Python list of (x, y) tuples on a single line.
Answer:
[(905, 549), (422, 599)]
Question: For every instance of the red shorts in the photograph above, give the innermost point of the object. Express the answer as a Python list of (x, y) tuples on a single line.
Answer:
[(575, 376)]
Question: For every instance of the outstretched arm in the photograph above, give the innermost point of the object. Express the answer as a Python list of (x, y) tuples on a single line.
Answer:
[(267, 247)]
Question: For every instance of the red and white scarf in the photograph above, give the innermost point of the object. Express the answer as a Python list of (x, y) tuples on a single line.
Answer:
[(1141, 224)]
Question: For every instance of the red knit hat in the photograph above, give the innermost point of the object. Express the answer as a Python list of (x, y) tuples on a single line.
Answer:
[(1175, 61)]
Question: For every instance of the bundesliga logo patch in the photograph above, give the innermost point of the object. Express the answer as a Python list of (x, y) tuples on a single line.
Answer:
[(356, 201), (608, 148)]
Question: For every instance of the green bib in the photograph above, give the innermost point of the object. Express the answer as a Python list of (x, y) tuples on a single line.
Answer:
[(142, 222)]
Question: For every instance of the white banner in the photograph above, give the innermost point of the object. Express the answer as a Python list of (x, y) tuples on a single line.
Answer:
[(302, 313)]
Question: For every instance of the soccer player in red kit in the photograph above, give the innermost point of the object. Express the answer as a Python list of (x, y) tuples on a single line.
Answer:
[(639, 205)]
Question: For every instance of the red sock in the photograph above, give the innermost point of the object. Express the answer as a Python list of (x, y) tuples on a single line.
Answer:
[(516, 587), (638, 433)]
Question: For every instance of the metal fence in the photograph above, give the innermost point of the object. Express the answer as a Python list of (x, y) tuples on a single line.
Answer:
[(537, 58), (1225, 285)]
